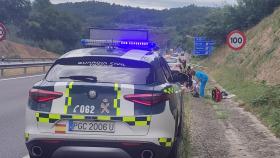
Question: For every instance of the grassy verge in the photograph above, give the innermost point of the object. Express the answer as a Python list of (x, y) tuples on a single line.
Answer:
[(186, 142), (259, 98), (267, 106), (234, 80)]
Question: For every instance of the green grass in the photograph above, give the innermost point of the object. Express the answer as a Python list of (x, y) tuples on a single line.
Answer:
[(259, 98), (267, 106), (234, 80)]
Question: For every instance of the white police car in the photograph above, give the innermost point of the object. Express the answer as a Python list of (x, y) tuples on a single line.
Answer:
[(119, 101)]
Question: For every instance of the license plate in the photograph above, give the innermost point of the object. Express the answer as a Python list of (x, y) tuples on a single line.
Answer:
[(91, 126)]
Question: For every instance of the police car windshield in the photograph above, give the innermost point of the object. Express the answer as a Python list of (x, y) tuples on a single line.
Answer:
[(103, 69)]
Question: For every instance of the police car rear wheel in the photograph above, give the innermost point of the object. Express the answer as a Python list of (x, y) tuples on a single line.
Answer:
[(174, 150), (179, 133), (30, 156)]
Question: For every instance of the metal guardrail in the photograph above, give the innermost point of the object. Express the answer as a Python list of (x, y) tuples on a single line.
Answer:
[(25, 66), (36, 64), (4, 60)]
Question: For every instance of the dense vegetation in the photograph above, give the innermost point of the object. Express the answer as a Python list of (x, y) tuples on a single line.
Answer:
[(250, 73), (55, 30), (215, 23), (59, 27), (101, 14), (40, 23), (166, 24), (244, 15), (15, 11)]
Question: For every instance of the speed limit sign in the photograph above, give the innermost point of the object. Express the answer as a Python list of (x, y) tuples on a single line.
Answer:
[(236, 40), (2, 32)]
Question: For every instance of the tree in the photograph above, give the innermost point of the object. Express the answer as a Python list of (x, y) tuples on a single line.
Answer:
[(14, 11), (255, 10), (47, 24), (39, 5), (244, 15)]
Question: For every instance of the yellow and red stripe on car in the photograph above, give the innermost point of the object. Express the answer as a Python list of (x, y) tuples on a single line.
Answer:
[(60, 128)]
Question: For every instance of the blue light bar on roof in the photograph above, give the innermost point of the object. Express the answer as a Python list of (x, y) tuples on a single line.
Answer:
[(145, 45)]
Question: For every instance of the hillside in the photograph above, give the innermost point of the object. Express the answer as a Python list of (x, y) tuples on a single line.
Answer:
[(15, 50), (259, 60), (253, 74), (100, 14)]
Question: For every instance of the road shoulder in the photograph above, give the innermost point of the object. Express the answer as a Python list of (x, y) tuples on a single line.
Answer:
[(227, 130)]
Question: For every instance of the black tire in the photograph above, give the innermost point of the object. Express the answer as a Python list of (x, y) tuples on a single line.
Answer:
[(30, 156), (175, 148), (180, 127), (174, 151), (181, 124)]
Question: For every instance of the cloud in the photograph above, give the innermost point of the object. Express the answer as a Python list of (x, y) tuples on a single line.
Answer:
[(159, 4)]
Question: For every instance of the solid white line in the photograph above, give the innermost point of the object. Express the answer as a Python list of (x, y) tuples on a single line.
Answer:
[(7, 79), (27, 156)]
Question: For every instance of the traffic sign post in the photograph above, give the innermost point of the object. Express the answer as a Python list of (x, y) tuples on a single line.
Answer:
[(2, 32), (236, 40)]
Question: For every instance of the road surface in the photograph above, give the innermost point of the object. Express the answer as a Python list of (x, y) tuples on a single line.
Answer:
[(13, 100)]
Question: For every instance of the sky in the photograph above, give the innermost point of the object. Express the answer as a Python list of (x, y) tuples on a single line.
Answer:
[(159, 4)]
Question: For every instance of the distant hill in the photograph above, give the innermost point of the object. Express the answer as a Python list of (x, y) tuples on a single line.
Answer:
[(166, 26), (100, 14), (15, 50), (259, 60)]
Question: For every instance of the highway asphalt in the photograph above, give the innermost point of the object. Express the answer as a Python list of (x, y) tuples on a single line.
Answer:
[(13, 100)]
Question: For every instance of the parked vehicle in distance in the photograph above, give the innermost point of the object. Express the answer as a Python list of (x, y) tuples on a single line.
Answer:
[(173, 63), (175, 55)]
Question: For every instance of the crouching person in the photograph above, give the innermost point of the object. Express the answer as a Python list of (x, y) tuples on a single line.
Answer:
[(202, 79), (195, 89)]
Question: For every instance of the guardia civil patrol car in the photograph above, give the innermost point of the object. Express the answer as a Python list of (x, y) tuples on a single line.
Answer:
[(117, 100)]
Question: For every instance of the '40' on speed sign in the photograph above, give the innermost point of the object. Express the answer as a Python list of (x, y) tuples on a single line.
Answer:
[(236, 40)]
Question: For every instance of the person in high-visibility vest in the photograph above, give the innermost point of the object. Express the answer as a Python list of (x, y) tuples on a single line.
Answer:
[(202, 78)]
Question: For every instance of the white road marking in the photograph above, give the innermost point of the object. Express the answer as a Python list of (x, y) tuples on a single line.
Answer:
[(7, 79), (27, 156)]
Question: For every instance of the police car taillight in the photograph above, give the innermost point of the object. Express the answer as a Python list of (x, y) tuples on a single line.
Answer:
[(147, 99), (39, 95)]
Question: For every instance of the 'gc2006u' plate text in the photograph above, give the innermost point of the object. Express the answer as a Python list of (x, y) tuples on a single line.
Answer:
[(88, 126)]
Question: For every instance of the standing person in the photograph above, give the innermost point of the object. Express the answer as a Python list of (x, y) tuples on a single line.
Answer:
[(189, 80), (183, 65), (202, 78), (3, 58)]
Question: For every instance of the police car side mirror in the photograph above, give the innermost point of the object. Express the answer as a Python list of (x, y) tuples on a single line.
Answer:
[(178, 77)]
